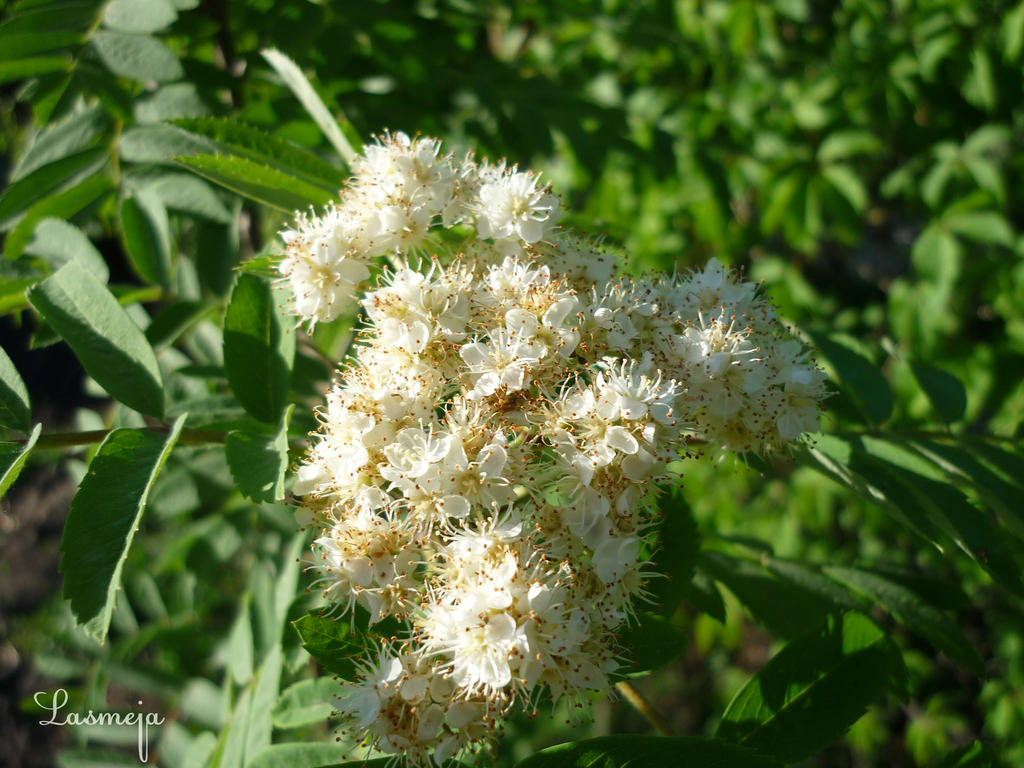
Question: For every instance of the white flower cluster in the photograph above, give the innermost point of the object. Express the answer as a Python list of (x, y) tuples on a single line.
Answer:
[(484, 468)]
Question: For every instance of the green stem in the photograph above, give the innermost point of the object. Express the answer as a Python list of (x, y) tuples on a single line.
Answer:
[(92, 436), (641, 705)]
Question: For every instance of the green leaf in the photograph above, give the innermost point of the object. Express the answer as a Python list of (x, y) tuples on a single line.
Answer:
[(937, 254), (1013, 32), (160, 143), (30, 189), (814, 689), (230, 749), (147, 237), (944, 390), (184, 192), (812, 580), (15, 407), (139, 15), (109, 345), (258, 348), (989, 227), (988, 175), (630, 751), (302, 754), (858, 375), (973, 755), (301, 87), (93, 757), (980, 85), (62, 205), (305, 703), (241, 646), (848, 184), (263, 266), (73, 133), (216, 256), (835, 458), (265, 688), (49, 17), (913, 611), (58, 242), (258, 463), (105, 514), (845, 144), (32, 66), (26, 45), (971, 528), (13, 457), (653, 642), (961, 464), (704, 595), (170, 102), (254, 144), (136, 57), (334, 644), (256, 181)]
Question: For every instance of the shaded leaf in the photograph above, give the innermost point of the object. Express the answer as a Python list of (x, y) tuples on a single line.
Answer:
[(258, 462), (630, 751), (174, 319), (147, 237), (944, 390), (651, 643), (258, 348), (15, 407), (781, 606), (815, 688), (858, 375), (678, 543), (914, 612)]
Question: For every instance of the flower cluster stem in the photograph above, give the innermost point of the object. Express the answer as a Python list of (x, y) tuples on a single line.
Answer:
[(641, 705)]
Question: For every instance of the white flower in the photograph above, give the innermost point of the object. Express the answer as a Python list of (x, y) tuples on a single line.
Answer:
[(503, 362), (513, 204)]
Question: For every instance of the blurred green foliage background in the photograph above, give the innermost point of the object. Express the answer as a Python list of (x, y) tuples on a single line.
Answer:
[(863, 158)]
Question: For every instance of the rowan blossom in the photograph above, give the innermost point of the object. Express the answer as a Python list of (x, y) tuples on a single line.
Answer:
[(484, 470)]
